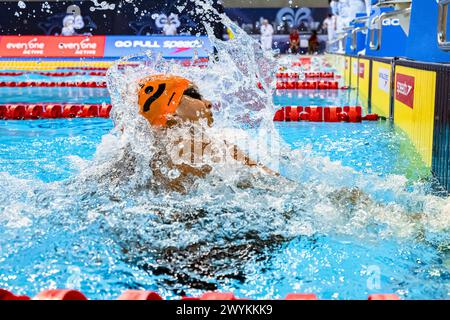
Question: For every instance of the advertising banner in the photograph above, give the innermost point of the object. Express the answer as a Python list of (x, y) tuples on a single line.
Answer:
[(52, 46), (404, 91), (362, 70), (180, 47), (384, 79)]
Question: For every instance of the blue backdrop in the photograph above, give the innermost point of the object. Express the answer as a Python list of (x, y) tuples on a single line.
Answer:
[(137, 17)]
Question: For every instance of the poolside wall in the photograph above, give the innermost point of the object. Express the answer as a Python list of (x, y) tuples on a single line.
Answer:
[(415, 96)]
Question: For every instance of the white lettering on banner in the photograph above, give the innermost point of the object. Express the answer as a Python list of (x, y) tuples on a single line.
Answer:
[(182, 44), (391, 22), (31, 47), (154, 44), (355, 67), (384, 79), (84, 47), (403, 88), (136, 44)]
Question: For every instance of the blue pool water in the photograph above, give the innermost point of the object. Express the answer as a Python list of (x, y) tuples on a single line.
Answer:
[(51, 239), (55, 95), (42, 147), (332, 266), (339, 98)]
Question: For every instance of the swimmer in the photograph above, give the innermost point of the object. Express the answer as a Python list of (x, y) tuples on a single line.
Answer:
[(171, 104)]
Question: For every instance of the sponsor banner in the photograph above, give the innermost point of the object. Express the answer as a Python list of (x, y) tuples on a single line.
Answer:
[(384, 79), (404, 89), (25, 46), (362, 67), (103, 46), (169, 47), (52, 46)]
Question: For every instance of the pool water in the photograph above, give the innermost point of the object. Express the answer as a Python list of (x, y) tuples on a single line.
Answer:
[(338, 98), (55, 95), (369, 147), (42, 149), (333, 267), (52, 249)]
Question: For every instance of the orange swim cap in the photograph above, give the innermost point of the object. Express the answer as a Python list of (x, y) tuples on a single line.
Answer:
[(160, 95)]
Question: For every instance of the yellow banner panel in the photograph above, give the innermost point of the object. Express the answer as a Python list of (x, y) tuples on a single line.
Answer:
[(381, 88), (414, 107)]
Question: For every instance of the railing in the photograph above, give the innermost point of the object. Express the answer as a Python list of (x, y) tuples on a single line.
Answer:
[(353, 45), (378, 20), (354, 31), (390, 3), (443, 43), (372, 44), (341, 37), (361, 19)]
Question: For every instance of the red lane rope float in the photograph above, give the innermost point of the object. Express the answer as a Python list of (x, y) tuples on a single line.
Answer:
[(68, 294), (315, 113), (354, 113), (371, 117), (307, 85), (286, 75), (61, 74), (15, 112), (97, 74), (59, 294), (301, 296), (11, 74), (383, 297), (77, 84), (333, 114), (89, 111), (302, 62), (55, 74), (83, 68), (322, 114), (218, 296), (53, 111), (6, 295), (104, 111), (139, 295), (325, 75), (34, 111), (71, 111)]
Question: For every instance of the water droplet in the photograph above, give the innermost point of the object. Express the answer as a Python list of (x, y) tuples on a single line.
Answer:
[(173, 174)]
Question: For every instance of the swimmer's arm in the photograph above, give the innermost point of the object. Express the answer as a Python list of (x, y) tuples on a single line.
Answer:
[(238, 155)]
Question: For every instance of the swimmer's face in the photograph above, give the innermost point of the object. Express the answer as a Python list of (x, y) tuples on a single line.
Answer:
[(192, 108)]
